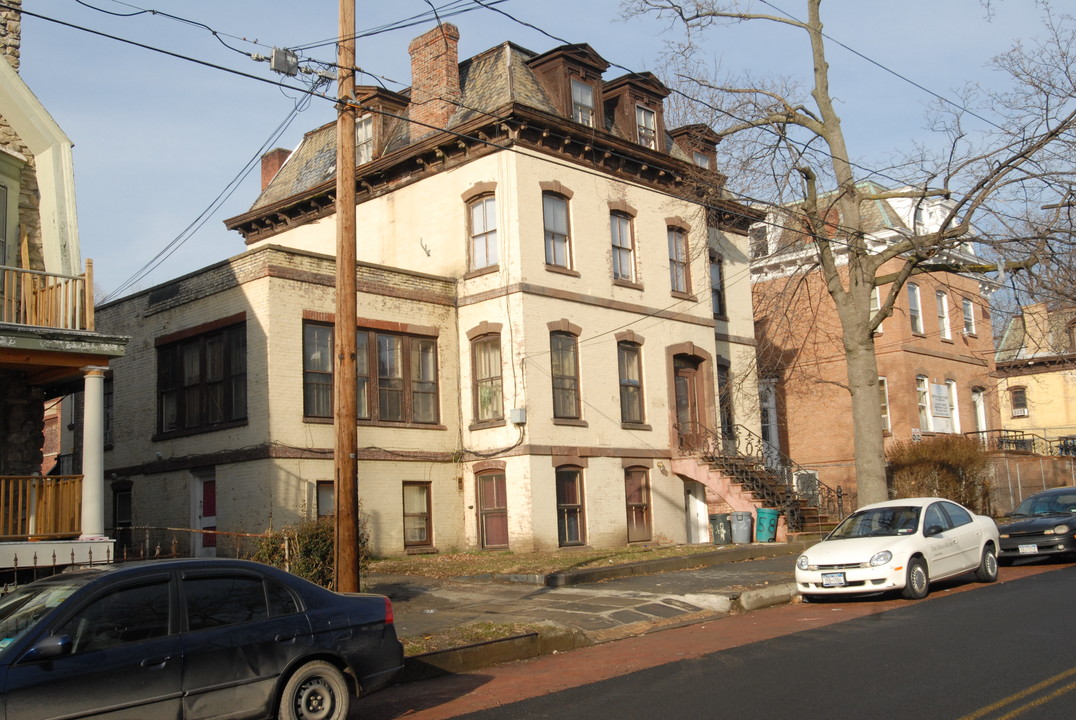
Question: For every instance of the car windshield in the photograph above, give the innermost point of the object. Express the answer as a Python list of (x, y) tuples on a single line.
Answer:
[(878, 522), (21, 608), (1047, 505)]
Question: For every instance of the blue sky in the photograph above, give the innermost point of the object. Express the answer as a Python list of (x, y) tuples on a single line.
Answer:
[(158, 138)]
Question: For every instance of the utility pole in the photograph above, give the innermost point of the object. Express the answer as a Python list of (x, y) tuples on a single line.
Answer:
[(346, 447)]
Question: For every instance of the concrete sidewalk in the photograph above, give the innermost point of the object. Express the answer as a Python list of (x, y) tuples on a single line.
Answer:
[(585, 607)]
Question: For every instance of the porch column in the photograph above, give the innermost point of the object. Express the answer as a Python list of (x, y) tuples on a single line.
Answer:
[(93, 449)]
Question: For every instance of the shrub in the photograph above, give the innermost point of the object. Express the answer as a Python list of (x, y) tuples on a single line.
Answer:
[(949, 466), (307, 550)]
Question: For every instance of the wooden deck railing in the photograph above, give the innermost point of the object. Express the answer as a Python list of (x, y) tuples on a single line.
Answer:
[(31, 297), (35, 506)]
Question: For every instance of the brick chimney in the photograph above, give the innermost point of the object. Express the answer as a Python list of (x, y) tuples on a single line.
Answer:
[(435, 79), (11, 32), (272, 161)]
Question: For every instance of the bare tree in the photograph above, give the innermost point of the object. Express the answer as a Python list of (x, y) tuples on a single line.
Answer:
[(1007, 188)]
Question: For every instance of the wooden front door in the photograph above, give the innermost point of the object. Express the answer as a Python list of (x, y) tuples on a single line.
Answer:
[(492, 510), (685, 383)]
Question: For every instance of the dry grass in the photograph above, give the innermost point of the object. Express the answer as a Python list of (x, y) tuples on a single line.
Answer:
[(463, 564), (464, 635)]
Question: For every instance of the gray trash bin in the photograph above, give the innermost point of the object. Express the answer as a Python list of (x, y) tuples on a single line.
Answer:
[(721, 528), (741, 527)]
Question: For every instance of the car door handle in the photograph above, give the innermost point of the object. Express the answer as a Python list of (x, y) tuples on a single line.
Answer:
[(282, 638), (155, 663)]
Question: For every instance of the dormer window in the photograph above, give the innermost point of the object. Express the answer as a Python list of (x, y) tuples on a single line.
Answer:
[(571, 76), (702, 160), (646, 127), (364, 139), (582, 103)]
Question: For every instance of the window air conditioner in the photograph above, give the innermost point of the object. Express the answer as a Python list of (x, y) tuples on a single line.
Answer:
[(1019, 412)]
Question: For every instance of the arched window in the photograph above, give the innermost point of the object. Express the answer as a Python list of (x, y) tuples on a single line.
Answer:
[(482, 212)]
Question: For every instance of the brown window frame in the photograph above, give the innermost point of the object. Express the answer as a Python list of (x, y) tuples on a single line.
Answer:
[(479, 383), (192, 395), (372, 386), (565, 379), (630, 386), (570, 508), (638, 507)]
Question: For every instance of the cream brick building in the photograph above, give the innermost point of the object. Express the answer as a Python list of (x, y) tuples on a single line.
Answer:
[(554, 307)]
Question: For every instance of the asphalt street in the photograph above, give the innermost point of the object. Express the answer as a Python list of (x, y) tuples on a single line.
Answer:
[(967, 651)]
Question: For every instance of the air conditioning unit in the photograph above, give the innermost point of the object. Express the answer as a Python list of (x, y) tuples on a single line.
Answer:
[(1019, 412)]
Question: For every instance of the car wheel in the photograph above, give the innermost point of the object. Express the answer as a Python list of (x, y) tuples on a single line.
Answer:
[(316, 691), (917, 584), (988, 565)]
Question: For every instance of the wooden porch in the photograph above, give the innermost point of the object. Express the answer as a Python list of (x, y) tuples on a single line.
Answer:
[(40, 299), (35, 507)]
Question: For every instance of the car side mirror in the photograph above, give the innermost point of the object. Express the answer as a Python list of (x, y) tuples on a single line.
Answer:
[(934, 530), (49, 648)]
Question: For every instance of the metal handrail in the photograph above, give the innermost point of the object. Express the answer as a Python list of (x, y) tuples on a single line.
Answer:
[(749, 457), (1020, 441)]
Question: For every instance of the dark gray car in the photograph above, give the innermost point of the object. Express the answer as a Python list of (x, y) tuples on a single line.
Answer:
[(189, 639), (1043, 524)]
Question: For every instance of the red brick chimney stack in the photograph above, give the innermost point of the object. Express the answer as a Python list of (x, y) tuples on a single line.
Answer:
[(272, 161), (435, 79)]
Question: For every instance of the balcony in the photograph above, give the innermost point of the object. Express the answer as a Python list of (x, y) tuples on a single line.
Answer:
[(38, 507), (40, 299)]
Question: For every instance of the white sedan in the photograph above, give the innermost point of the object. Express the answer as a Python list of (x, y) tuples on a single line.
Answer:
[(899, 545)]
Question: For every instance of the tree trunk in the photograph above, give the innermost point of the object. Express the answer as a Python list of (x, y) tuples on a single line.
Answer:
[(867, 419)]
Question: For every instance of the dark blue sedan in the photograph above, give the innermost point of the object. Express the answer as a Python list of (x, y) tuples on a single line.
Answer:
[(1044, 524), (189, 639)]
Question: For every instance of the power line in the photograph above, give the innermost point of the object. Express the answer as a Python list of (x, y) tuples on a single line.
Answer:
[(311, 92)]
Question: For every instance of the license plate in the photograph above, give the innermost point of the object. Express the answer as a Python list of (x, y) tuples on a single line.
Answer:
[(833, 580), (1028, 549)]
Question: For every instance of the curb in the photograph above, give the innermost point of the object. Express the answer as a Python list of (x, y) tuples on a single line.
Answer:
[(737, 553)]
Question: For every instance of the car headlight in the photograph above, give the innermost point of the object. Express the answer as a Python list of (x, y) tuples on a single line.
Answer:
[(801, 562), (881, 558), (1061, 529)]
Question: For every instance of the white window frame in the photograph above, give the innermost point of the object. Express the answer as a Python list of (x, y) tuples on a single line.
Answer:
[(483, 218), (582, 106), (954, 408), (944, 330), (969, 316), (876, 305), (646, 126), (915, 309), (364, 139), (922, 393), (883, 388), (679, 260), (622, 237)]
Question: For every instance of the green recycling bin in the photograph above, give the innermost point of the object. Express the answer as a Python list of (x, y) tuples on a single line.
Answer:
[(766, 528), (722, 528)]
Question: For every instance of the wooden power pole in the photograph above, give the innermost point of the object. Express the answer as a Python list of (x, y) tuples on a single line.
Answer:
[(346, 447)]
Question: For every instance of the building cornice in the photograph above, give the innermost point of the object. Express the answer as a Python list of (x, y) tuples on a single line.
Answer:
[(512, 126)]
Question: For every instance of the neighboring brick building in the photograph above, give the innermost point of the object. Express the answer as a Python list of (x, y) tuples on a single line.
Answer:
[(935, 353), (546, 309)]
